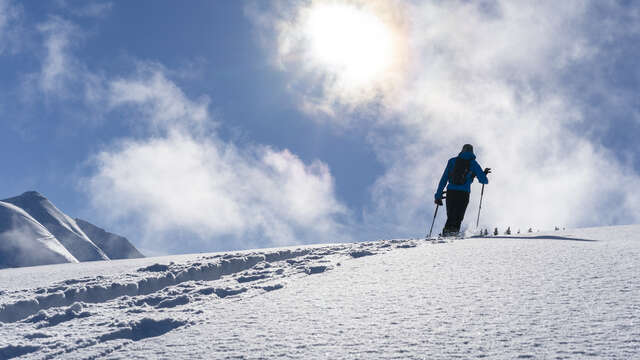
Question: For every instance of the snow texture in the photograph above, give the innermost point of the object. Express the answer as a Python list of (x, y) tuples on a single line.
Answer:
[(562, 295), (115, 246), (25, 242), (60, 225)]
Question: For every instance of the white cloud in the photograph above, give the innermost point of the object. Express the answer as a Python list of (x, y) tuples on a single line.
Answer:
[(86, 8), (161, 102), (93, 9), (492, 74), (10, 30), (215, 189), (181, 177), (62, 75), (58, 66), (62, 78)]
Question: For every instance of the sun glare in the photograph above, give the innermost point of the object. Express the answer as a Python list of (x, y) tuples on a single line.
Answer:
[(350, 41)]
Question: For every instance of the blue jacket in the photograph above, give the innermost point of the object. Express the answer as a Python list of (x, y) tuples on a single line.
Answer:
[(476, 171)]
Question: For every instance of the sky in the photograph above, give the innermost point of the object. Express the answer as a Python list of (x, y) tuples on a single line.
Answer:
[(219, 125)]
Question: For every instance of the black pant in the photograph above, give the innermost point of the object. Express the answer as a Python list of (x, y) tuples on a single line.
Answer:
[(457, 202)]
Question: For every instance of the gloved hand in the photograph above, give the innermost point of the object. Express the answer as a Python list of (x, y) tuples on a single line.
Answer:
[(487, 171), (438, 201)]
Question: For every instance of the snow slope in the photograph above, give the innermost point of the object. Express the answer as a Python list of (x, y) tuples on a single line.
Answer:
[(565, 295), (114, 246), (25, 242), (60, 225)]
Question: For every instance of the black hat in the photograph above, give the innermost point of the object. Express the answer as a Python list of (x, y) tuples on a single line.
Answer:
[(467, 147)]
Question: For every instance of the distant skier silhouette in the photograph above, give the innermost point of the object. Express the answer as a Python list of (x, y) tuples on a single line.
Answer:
[(459, 174)]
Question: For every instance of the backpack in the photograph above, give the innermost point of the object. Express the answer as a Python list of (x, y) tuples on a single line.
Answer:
[(461, 168)]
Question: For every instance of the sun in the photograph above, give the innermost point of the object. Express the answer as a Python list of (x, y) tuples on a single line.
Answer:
[(350, 41)]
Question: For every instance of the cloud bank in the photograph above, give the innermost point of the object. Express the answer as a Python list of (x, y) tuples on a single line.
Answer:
[(174, 184), (180, 176), (497, 74)]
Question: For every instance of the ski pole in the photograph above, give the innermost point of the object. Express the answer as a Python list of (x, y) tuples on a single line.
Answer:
[(487, 171), (434, 220), (435, 214), (480, 208)]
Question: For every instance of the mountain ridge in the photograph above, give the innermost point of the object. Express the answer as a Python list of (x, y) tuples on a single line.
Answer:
[(114, 245), (48, 227), (25, 242)]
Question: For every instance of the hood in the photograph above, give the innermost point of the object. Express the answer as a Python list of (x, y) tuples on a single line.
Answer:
[(467, 155)]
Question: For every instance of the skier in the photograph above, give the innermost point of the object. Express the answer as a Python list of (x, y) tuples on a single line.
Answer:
[(459, 173)]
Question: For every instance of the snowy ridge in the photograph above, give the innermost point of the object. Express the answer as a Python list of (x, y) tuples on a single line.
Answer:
[(25, 242), (35, 232), (63, 227), (114, 246), (156, 298)]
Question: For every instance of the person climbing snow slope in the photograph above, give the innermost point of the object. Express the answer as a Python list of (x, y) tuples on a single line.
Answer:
[(459, 175)]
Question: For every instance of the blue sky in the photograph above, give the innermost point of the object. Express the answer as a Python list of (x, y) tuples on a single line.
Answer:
[(228, 124), (214, 45)]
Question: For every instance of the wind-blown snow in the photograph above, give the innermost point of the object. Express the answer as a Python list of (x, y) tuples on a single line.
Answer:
[(569, 295)]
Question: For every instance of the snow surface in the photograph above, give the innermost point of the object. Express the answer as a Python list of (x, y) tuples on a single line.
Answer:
[(562, 295)]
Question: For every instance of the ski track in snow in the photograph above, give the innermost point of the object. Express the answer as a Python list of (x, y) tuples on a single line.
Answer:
[(71, 317), (536, 296)]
